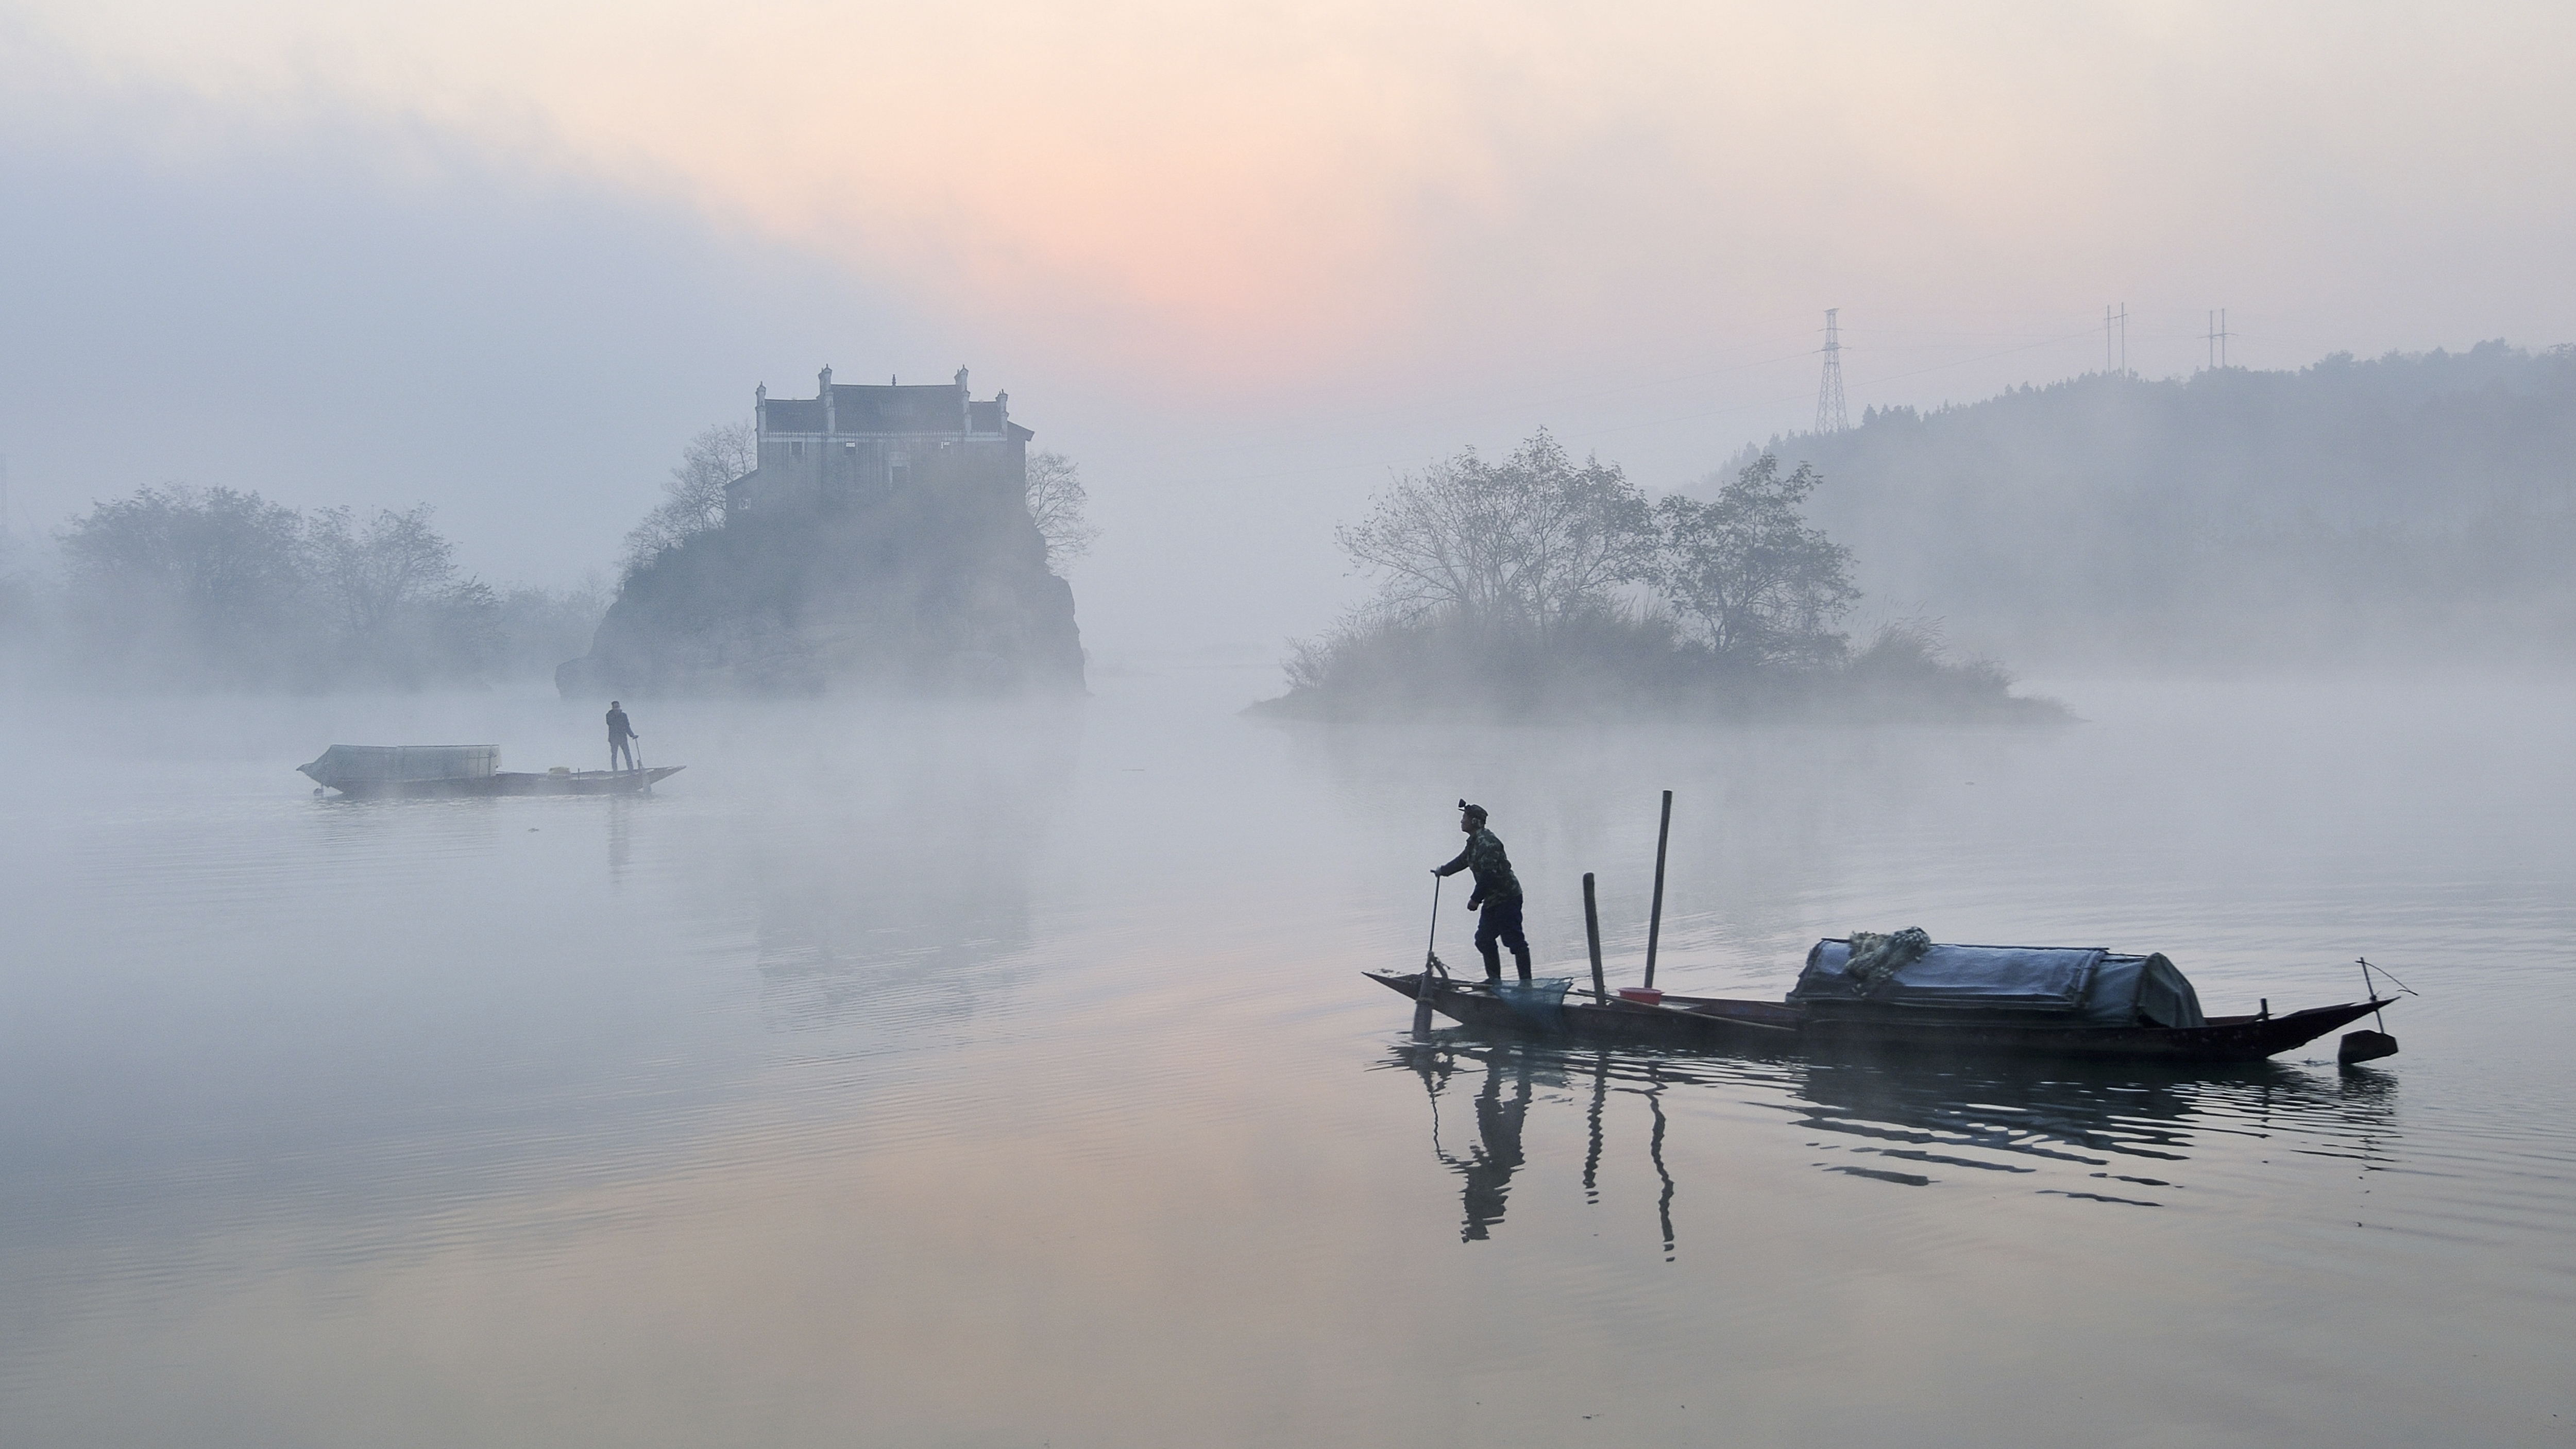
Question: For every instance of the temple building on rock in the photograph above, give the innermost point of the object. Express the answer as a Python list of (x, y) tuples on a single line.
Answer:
[(852, 444)]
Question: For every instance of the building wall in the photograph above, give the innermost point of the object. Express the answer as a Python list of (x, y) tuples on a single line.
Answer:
[(817, 471)]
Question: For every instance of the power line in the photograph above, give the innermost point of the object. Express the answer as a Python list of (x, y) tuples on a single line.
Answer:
[(1830, 414)]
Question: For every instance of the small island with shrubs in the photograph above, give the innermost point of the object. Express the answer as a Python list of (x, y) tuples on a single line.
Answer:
[(1533, 587)]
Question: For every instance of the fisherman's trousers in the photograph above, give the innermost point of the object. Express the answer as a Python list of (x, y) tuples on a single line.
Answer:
[(1501, 921)]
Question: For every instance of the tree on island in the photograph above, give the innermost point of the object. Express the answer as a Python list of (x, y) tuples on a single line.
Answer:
[(1534, 585), (1526, 544), (1751, 575)]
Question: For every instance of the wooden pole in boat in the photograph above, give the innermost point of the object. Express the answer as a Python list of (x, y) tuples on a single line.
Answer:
[(1423, 989), (1655, 917), (1592, 938)]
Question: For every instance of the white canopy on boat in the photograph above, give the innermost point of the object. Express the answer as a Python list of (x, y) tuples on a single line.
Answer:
[(385, 764)]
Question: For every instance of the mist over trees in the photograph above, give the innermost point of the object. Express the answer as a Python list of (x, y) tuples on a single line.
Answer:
[(948, 582), (1534, 585), (693, 498), (2418, 507), (180, 589), (1748, 575)]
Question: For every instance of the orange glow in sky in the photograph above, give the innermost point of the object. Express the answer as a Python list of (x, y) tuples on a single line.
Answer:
[(1262, 192)]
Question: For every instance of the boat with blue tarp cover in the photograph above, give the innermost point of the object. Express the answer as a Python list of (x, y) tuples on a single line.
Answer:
[(1904, 992)]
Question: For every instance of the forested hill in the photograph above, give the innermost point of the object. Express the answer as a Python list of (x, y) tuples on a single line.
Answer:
[(2418, 506)]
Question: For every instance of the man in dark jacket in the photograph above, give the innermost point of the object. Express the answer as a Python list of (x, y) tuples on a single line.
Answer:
[(1497, 890), (621, 737)]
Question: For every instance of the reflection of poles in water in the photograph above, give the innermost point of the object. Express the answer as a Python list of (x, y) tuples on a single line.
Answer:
[(1487, 1167), (1592, 1154), (1655, 1150), (1497, 1154), (1432, 1066)]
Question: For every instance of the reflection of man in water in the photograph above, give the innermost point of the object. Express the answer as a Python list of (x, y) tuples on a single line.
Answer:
[(1497, 890), (621, 737), (1490, 1164)]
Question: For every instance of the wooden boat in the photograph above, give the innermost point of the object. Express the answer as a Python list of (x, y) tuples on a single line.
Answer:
[(507, 782), (1722, 1024), (436, 771), (1903, 993)]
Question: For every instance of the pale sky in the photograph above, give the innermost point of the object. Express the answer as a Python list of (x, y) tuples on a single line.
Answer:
[(1242, 261)]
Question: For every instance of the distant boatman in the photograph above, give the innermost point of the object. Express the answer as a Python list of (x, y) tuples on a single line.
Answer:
[(621, 737), (1497, 890)]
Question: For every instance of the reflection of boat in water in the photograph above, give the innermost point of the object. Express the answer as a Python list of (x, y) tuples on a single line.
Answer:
[(2127, 1134), (369, 771), (1978, 1000)]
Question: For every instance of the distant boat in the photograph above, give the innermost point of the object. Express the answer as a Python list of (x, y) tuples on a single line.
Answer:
[(1980, 1000), (453, 770)]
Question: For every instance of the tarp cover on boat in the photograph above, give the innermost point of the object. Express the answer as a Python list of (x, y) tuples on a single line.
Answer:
[(381, 764), (2087, 984)]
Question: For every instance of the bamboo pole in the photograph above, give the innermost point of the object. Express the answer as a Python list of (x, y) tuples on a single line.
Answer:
[(1423, 989), (1655, 919), (1592, 938)]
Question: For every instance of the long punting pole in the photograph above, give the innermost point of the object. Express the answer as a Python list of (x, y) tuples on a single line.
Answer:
[(1655, 918), (1422, 991), (1592, 938)]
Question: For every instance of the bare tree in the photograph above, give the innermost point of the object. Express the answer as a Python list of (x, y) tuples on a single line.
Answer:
[(1524, 543), (1056, 500), (373, 574), (404, 612), (693, 500), (1746, 568)]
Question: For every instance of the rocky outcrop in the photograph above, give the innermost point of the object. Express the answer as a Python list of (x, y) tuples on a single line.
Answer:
[(936, 591)]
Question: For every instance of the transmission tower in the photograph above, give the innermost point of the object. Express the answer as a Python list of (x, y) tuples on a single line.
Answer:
[(2218, 338), (2115, 339), (1830, 414)]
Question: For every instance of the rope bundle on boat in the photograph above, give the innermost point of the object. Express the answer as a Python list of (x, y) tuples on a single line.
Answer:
[(1875, 959)]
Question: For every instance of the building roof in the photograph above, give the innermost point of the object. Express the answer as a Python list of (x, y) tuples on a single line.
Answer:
[(941, 408), (863, 409), (793, 415)]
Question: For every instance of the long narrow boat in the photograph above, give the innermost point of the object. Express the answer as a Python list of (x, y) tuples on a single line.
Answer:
[(2042, 1003), (516, 782), (369, 771)]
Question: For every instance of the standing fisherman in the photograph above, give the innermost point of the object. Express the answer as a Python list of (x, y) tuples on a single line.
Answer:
[(621, 737), (1497, 890)]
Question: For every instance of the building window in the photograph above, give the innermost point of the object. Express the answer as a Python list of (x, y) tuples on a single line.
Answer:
[(796, 450), (899, 474)]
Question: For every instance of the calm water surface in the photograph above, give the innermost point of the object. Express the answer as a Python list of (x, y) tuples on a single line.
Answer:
[(938, 1077)]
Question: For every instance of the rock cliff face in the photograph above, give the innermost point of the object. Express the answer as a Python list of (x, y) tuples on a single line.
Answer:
[(932, 591)]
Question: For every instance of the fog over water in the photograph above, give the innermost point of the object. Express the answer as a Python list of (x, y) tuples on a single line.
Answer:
[(906, 1075), (945, 1074)]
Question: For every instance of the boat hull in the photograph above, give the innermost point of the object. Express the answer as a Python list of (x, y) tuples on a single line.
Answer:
[(1721, 1024), (582, 782)]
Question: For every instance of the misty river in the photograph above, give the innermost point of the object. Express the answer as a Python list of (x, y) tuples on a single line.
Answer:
[(952, 1076)]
